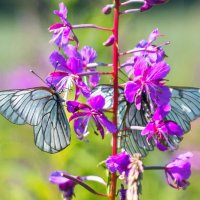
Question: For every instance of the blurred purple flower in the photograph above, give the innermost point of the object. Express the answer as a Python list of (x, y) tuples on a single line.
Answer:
[(178, 171), (149, 3), (61, 31), (92, 111), (148, 81), (23, 79), (119, 162), (160, 130), (65, 185)]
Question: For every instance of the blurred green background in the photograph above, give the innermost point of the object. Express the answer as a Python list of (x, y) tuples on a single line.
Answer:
[(24, 38)]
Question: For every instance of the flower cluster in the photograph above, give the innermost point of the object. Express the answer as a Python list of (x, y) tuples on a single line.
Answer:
[(145, 91), (160, 129), (70, 66), (71, 70), (177, 172), (147, 70), (92, 111)]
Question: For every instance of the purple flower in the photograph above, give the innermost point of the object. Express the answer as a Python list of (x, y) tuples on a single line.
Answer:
[(61, 31), (70, 71), (149, 3), (92, 111), (68, 74), (119, 162), (178, 171), (65, 185), (148, 81), (152, 53), (122, 193), (89, 55), (23, 76), (145, 49), (160, 130)]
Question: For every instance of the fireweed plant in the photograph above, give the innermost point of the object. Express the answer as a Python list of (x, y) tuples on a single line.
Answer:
[(146, 113)]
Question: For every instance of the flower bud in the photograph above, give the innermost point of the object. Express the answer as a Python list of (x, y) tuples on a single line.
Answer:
[(109, 41), (107, 9)]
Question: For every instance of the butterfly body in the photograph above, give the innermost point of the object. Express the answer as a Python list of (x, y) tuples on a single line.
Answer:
[(41, 108), (146, 108)]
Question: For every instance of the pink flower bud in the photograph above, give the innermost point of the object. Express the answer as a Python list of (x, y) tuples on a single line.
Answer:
[(107, 9), (109, 41)]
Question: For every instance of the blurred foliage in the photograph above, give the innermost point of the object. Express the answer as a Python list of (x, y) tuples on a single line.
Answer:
[(24, 169)]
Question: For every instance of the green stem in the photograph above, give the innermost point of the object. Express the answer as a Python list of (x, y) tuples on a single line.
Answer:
[(154, 167)]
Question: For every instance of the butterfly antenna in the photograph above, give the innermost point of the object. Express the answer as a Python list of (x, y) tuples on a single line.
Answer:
[(38, 76)]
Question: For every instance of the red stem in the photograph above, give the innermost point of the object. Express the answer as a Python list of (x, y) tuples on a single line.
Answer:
[(115, 85)]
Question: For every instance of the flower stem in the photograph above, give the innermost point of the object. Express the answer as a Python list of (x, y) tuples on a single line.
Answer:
[(130, 11), (131, 1), (135, 51), (87, 187), (115, 86), (94, 73), (139, 128), (98, 64), (90, 26), (154, 168)]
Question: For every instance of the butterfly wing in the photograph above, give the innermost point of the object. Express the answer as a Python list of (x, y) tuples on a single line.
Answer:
[(130, 140), (107, 92), (185, 107), (185, 103), (41, 108), (6, 109), (52, 134)]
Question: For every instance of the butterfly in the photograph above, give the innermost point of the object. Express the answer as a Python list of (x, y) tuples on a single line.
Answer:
[(185, 107), (40, 107)]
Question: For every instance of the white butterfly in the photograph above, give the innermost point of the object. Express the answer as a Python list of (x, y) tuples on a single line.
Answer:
[(41, 108)]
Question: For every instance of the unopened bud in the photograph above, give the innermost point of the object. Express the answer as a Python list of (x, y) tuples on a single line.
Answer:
[(107, 9), (110, 41)]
